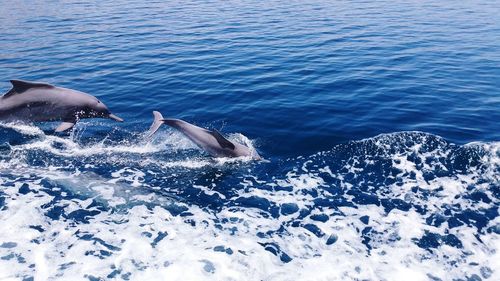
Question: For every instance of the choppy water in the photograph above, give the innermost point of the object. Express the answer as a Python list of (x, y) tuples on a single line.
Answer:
[(379, 123)]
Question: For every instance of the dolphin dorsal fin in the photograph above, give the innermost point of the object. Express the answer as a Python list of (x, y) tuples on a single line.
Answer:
[(19, 87), (222, 140)]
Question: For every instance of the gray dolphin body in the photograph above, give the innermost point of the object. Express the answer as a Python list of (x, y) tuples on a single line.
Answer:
[(35, 102), (210, 141)]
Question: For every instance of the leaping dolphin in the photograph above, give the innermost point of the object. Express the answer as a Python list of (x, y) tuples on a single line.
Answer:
[(210, 141), (35, 102)]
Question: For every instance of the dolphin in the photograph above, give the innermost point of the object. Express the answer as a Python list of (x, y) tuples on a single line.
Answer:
[(36, 102), (211, 141)]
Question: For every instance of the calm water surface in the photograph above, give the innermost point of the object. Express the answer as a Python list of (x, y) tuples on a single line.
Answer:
[(379, 122)]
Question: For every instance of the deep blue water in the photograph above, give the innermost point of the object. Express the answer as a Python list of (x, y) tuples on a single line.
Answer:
[(379, 123)]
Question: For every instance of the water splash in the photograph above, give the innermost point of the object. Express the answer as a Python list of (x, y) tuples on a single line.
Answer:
[(379, 208)]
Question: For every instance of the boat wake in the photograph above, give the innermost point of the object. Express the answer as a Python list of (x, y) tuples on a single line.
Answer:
[(383, 208)]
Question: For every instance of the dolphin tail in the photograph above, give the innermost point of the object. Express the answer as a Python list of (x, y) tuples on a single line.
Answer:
[(158, 120)]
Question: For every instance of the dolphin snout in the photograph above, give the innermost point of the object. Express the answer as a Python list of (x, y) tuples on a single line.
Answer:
[(114, 117)]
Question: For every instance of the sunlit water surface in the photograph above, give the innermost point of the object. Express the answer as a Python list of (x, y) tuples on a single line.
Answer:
[(378, 122)]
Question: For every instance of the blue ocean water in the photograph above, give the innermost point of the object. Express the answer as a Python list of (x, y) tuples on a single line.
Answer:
[(378, 120)]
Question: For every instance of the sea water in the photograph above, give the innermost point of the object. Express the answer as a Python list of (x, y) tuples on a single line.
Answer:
[(378, 122)]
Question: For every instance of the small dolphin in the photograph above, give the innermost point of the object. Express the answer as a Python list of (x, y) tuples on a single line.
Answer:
[(35, 102), (210, 141)]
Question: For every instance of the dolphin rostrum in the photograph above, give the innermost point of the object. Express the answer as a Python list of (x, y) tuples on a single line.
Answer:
[(35, 102), (210, 141)]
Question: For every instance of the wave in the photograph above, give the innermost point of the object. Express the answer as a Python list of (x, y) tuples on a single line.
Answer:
[(379, 208)]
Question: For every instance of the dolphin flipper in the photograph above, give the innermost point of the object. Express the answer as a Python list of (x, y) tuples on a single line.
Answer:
[(158, 120), (65, 126), (222, 140)]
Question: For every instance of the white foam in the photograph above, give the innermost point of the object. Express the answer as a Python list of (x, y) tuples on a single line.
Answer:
[(23, 128), (188, 251)]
